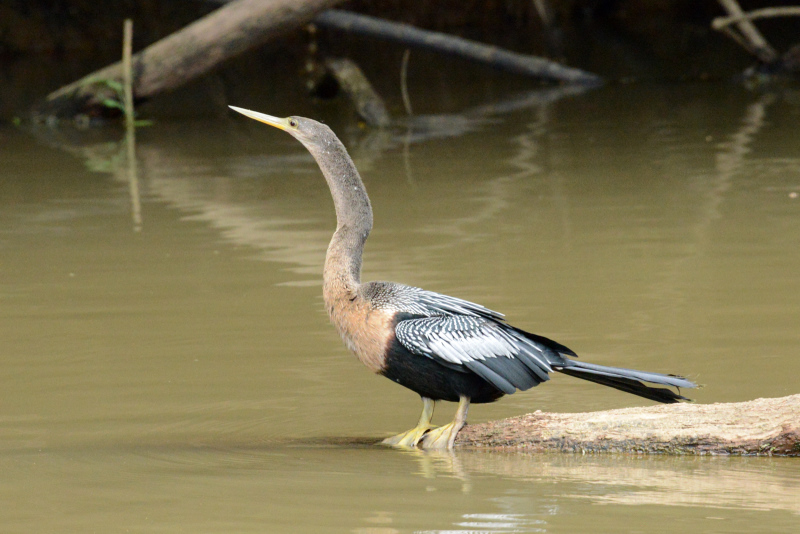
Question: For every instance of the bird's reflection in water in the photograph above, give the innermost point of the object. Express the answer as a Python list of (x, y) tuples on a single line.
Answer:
[(439, 463), (470, 524), (509, 513), (533, 488), (491, 523), (380, 522)]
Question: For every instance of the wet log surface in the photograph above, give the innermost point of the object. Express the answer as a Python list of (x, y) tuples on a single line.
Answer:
[(759, 427)]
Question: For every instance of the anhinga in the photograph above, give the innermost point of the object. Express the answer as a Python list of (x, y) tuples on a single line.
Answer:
[(441, 347)]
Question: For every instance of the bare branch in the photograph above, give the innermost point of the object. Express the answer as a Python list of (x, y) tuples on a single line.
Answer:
[(448, 44), (758, 45), (766, 13)]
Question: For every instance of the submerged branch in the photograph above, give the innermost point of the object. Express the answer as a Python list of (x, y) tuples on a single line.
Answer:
[(760, 427), (369, 105)]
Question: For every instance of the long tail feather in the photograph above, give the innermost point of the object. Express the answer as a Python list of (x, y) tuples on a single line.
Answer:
[(629, 380)]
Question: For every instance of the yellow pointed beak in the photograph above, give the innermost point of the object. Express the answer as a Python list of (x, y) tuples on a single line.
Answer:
[(283, 124)]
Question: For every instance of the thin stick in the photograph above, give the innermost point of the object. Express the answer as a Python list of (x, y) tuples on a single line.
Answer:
[(741, 41), (130, 124), (404, 82), (133, 178), (127, 74)]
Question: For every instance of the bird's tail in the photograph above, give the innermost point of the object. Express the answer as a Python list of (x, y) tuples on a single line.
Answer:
[(628, 380)]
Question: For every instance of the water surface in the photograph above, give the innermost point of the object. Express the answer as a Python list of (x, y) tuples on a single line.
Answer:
[(166, 364)]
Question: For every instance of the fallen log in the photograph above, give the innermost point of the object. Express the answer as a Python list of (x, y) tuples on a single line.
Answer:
[(768, 427), (457, 46), (186, 54)]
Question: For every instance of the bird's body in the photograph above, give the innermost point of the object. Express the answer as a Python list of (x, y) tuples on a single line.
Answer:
[(441, 347), (379, 325)]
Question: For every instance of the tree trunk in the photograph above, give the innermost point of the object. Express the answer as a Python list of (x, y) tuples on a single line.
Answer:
[(760, 427), (186, 54)]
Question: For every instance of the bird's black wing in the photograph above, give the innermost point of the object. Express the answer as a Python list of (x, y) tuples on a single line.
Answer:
[(498, 353)]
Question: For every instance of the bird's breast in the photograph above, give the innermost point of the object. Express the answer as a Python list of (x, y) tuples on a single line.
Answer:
[(366, 330)]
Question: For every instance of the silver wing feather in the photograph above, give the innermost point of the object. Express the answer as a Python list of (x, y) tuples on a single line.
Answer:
[(495, 351), (416, 301)]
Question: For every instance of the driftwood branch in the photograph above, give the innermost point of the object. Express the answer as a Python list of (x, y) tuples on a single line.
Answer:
[(448, 44), (186, 54), (763, 13), (750, 38), (759, 427)]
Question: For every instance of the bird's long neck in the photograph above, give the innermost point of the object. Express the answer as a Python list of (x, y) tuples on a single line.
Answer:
[(353, 216)]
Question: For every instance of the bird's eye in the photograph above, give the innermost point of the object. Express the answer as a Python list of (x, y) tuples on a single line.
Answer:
[(293, 123)]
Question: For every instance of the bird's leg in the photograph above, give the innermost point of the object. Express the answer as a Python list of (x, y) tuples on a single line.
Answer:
[(411, 437), (445, 436)]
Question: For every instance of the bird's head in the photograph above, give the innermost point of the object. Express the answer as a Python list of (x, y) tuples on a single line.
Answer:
[(307, 131)]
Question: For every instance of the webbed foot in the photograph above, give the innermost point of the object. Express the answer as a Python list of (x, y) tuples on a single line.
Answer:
[(409, 438), (412, 437), (444, 437)]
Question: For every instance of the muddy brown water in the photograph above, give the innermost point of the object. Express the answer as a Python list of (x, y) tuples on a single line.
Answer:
[(166, 364)]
